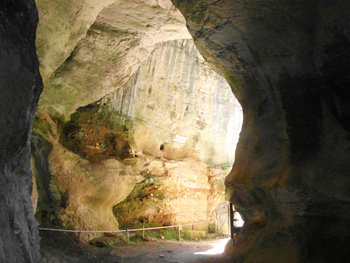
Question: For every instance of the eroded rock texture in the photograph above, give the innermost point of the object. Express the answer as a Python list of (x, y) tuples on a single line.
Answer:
[(121, 80), (95, 46), (174, 192), (291, 175), (20, 86), (174, 92)]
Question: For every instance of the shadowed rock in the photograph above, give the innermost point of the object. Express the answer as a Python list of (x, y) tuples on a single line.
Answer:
[(290, 178), (20, 87)]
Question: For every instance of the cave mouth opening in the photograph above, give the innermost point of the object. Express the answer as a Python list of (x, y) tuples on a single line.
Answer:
[(150, 135), (195, 155)]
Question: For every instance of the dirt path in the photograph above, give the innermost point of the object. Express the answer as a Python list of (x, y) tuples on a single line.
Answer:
[(168, 251), (58, 248)]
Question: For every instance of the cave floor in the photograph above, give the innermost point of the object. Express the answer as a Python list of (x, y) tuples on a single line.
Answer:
[(57, 248)]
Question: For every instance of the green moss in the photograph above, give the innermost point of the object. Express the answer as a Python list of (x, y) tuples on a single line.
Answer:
[(94, 132), (110, 30), (147, 195), (97, 113), (235, 81), (198, 11), (134, 42), (167, 234), (41, 128), (195, 10), (159, 194), (226, 166), (143, 189), (148, 175), (186, 236)]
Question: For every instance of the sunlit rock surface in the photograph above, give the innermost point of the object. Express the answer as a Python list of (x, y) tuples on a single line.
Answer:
[(123, 85), (288, 65), (173, 192), (94, 46), (89, 191), (290, 180), (174, 92), (76, 192)]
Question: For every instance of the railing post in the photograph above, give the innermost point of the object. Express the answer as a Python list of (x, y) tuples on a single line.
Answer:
[(143, 231), (179, 232), (127, 235), (228, 221)]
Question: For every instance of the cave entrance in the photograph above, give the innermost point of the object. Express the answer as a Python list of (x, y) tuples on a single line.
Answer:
[(141, 131)]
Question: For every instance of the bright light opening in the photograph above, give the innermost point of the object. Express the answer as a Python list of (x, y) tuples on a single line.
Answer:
[(237, 218), (238, 221), (218, 248)]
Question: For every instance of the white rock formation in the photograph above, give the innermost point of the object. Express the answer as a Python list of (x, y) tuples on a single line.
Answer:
[(96, 46), (134, 60), (175, 93)]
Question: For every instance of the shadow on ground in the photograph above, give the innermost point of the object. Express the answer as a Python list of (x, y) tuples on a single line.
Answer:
[(58, 247)]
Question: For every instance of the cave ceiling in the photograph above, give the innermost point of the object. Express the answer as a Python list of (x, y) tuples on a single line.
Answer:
[(88, 49)]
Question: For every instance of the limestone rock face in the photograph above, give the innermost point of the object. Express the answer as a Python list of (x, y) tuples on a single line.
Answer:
[(97, 45), (122, 80), (98, 157), (288, 65), (61, 27), (80, 185), (174, 92), (90, 190), (80, 194), (20, 87), (172, 192)]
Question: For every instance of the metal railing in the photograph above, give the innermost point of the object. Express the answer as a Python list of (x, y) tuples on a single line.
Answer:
[(127, 231)]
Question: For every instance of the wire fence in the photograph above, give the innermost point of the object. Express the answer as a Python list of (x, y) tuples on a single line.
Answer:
[(127, 231)]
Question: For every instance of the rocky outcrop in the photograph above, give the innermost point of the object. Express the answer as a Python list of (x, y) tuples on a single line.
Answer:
[(141, 94), (286, 61), (75, 192), (288, 65), (172, 192), (82, 174), (86, 166), (20, 87), (175, 93), (96, 45), (89, 191)]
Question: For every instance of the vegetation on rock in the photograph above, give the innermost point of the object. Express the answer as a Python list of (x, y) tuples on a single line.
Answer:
[(95, 133)]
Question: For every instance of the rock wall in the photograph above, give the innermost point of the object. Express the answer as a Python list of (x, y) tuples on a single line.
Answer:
[(76, 192), (20, 87), (287, 62), (172, 192), (288, 65), (95, 46), (113, 103), (86, 166), (174, 92)]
